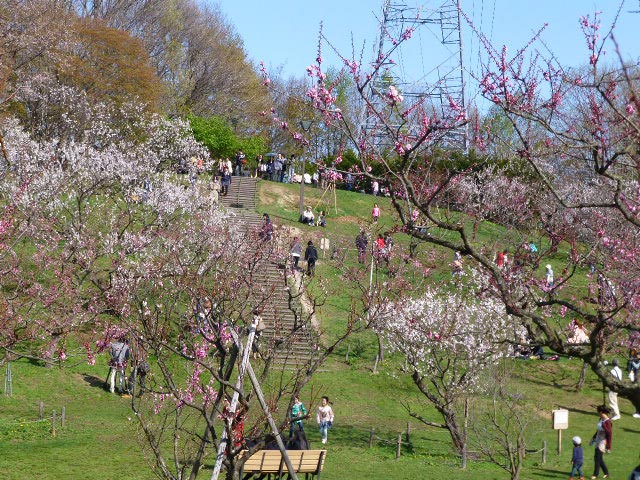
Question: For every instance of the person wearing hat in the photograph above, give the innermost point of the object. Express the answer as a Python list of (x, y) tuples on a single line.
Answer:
[(616, 372), (602, 440), (577, 460)]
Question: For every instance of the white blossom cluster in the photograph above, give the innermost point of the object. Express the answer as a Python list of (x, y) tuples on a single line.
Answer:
[(448, 336)]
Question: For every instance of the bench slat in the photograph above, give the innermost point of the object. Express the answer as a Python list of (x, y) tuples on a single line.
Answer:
[(270, 461)]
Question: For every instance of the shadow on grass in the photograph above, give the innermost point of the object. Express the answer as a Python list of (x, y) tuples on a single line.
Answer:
[(550, 473), (579, 410), (95, 382), (630, 430)]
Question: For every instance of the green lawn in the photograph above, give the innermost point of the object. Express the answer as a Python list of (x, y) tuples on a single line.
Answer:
[(102, 440)]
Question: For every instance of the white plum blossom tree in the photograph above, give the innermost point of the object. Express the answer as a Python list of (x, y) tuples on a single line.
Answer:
[(450, 337)]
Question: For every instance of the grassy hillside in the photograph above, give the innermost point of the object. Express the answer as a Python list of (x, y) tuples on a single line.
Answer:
[(101, 438)]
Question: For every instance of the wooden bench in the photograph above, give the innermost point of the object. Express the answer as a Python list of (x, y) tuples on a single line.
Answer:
[(270, 464)]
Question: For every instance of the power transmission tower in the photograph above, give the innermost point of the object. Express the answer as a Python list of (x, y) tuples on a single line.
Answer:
[(445, 23)]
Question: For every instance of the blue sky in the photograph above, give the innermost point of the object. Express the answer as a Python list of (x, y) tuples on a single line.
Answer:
[(284, 33)]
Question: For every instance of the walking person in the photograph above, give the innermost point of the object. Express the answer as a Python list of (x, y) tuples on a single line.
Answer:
[(325, 418), (602, 440), (296, 253), (266, 231), (311, 256), (226, 181), (577, 460), (616, 372), (240, 161), (260, 327), (375, 213), (298, 414), (375, 188), (361, 244), (216, 187), (138, 377)]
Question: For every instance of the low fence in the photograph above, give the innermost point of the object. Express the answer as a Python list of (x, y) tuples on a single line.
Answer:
[(404, 438), (46, 424)]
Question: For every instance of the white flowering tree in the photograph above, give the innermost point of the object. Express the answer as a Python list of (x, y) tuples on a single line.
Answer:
[(450, 337), (98, 240)]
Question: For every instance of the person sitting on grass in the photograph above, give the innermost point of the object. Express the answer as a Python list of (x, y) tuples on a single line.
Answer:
[(308, 217), (322, 219)]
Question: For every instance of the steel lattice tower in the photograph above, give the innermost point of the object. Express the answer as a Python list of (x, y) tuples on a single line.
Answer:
[(445, 23)]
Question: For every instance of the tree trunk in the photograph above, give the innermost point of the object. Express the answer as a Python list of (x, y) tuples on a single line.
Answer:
[(583, 377), (456, 431), (380, 348)]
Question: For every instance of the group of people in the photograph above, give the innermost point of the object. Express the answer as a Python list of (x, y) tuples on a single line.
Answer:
[(299, 413), (310, 255), (309, 218), (602, 441), (277, 169), (382, 248)]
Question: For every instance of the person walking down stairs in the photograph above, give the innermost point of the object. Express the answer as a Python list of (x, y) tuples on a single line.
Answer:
[(311, 256)]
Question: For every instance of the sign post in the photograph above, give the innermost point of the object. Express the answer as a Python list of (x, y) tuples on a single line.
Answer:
[(560, 422)]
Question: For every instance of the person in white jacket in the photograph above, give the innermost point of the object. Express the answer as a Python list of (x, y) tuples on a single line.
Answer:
[(325, 418), (613, 396)]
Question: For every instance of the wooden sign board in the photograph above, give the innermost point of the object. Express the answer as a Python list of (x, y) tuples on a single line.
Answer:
[(560, 419)]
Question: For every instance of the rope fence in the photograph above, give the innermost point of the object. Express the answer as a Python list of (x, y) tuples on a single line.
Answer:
[(398, 442), (56, 420)]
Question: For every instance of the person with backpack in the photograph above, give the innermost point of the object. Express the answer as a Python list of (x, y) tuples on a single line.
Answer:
[(311, 256), (118, 365)]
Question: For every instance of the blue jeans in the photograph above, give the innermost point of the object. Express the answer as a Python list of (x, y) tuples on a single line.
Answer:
[(324, 429), (577, 471)]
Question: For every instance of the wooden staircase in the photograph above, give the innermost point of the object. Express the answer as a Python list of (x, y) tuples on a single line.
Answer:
[(289, 338), (241, 194)]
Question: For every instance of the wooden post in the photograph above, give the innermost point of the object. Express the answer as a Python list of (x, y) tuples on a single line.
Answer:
[(41, 413), (375, 365), (265, 408), (372, 437), (559, 442), (544, 452), (398, 450), (53, 423), (408, 432), (246, 355), (63, 417), (346, 358)]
